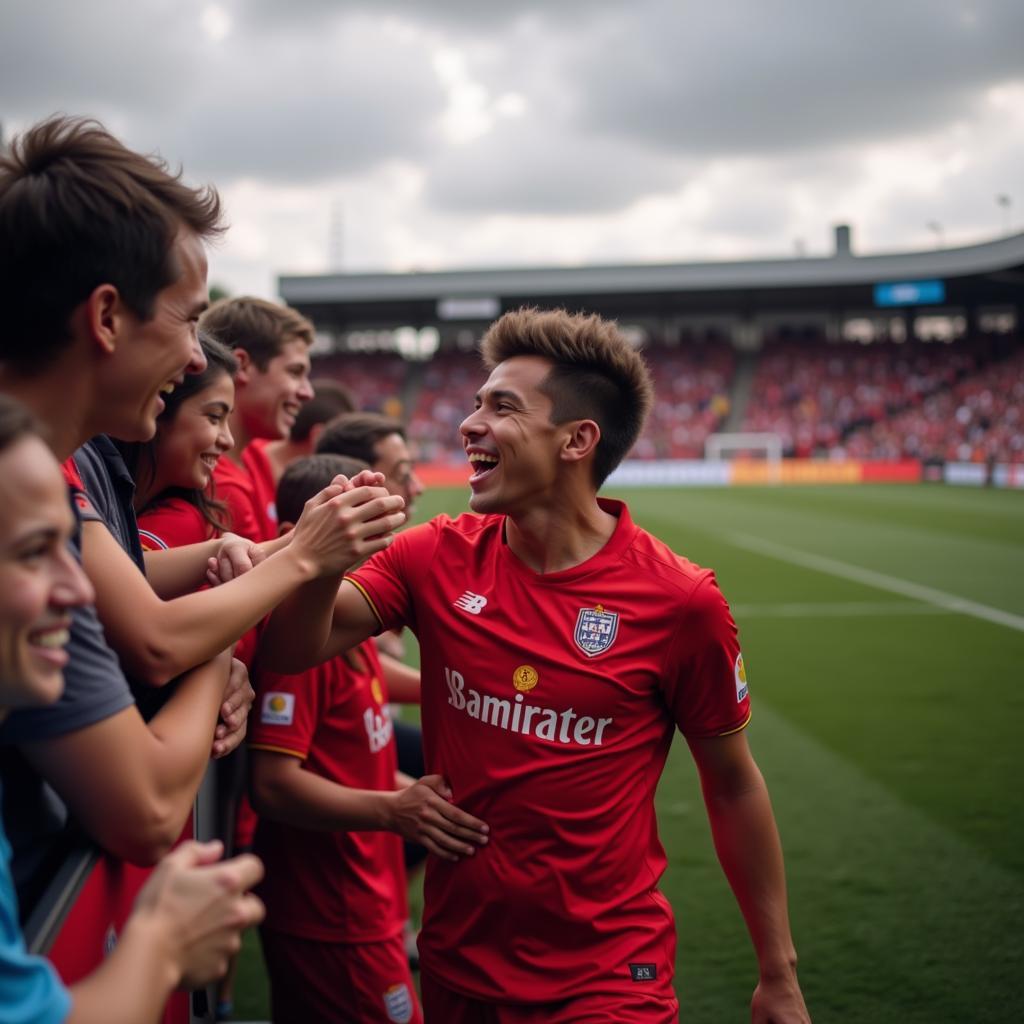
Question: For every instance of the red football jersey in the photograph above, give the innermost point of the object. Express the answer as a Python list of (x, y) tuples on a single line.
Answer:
[(549, 703), (331, 886), (173, 524), (248, 491)]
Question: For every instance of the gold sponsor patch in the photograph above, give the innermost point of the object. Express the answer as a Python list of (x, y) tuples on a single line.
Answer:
[(376, 691), (525, 678)]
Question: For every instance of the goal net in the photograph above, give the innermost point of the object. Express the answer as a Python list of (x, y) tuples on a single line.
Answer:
[(757, 446)]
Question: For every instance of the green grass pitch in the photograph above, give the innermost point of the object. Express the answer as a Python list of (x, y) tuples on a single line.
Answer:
[(883, 633)]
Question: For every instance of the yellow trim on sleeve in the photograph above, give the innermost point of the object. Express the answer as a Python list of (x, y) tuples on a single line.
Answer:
[(278, 750), (739, 728), (369, 600)]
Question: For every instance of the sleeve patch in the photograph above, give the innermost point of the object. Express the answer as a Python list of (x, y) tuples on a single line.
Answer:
[(741, 679), (277, 708)]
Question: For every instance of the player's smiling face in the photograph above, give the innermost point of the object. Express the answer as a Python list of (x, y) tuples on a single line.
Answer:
[(510, 440), (40, 582)]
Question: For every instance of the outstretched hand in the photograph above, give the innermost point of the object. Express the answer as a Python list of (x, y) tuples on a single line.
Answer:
[(346, 522)]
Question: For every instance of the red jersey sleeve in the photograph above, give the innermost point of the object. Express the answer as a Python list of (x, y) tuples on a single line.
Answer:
[(288, 710), (388, 579), (173, 525), (235, 489), (74, 481), (705, 683)]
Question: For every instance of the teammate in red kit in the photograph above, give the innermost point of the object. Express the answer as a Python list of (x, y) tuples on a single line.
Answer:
[(333, 808), (561, 647)]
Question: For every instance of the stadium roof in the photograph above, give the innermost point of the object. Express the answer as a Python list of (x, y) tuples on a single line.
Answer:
[(990, 272)]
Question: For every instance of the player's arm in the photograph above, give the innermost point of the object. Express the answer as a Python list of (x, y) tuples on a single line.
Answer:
[(747, 843), (403, 680), (157, 640), (131, 784), (284, 791), (316, 622)]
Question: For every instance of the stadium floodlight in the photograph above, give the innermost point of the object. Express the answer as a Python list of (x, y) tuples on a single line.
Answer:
[(766, 446)]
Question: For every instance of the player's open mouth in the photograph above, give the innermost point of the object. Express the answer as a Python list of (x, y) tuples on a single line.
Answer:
[(483, 464), (208, 460), (167, 388)]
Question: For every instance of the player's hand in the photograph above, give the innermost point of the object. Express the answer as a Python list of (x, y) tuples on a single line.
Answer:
[(197, 907), (364, 478), (424, 813), (344, 524), (778, 1000), (234, 712)]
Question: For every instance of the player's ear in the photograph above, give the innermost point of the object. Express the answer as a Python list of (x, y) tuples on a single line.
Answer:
[(581, 440)]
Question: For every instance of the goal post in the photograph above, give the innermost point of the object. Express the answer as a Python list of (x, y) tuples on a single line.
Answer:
[(766, 446)]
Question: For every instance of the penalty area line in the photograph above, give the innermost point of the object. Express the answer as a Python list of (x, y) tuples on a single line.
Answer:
[(878, 580)]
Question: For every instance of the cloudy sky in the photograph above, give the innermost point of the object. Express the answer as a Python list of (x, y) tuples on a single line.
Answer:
[(402, 134)]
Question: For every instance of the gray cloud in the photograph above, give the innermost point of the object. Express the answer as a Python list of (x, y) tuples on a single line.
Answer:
[(767, 77), (621, 103)]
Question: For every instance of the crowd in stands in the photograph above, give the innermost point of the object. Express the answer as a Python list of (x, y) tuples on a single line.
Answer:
[(691, 400), (450, 380), (922, 400), (812, 395), (377, 379), (979, 418)]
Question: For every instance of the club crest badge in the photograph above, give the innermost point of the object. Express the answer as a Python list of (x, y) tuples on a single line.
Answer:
[(596, 630), (398, 1004)]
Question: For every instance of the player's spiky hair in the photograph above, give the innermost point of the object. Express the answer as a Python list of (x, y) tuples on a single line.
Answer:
[(597, 374)]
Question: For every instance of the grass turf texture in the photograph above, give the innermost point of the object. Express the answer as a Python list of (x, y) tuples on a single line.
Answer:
[(888, 728)]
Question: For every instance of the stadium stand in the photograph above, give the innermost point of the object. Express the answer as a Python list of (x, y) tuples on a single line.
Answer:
[(979, 418), (378, 380), (917, 400), (692, 399)]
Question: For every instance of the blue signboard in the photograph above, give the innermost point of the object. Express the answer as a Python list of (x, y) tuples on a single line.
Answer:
[(910, 293)]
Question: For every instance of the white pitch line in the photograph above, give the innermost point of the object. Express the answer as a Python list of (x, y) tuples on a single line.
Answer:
[(895, 585), (830, 609)]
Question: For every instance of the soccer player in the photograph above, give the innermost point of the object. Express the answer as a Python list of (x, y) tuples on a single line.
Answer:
[(562, 646), (332, 808)]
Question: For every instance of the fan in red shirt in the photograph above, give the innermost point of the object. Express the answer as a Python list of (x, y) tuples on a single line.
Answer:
[(562, 646), (271, 343)]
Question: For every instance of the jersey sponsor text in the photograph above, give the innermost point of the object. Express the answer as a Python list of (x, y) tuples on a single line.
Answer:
[(568, 726)]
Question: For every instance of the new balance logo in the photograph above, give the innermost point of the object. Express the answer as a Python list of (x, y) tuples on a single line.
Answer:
[(472, 603)]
